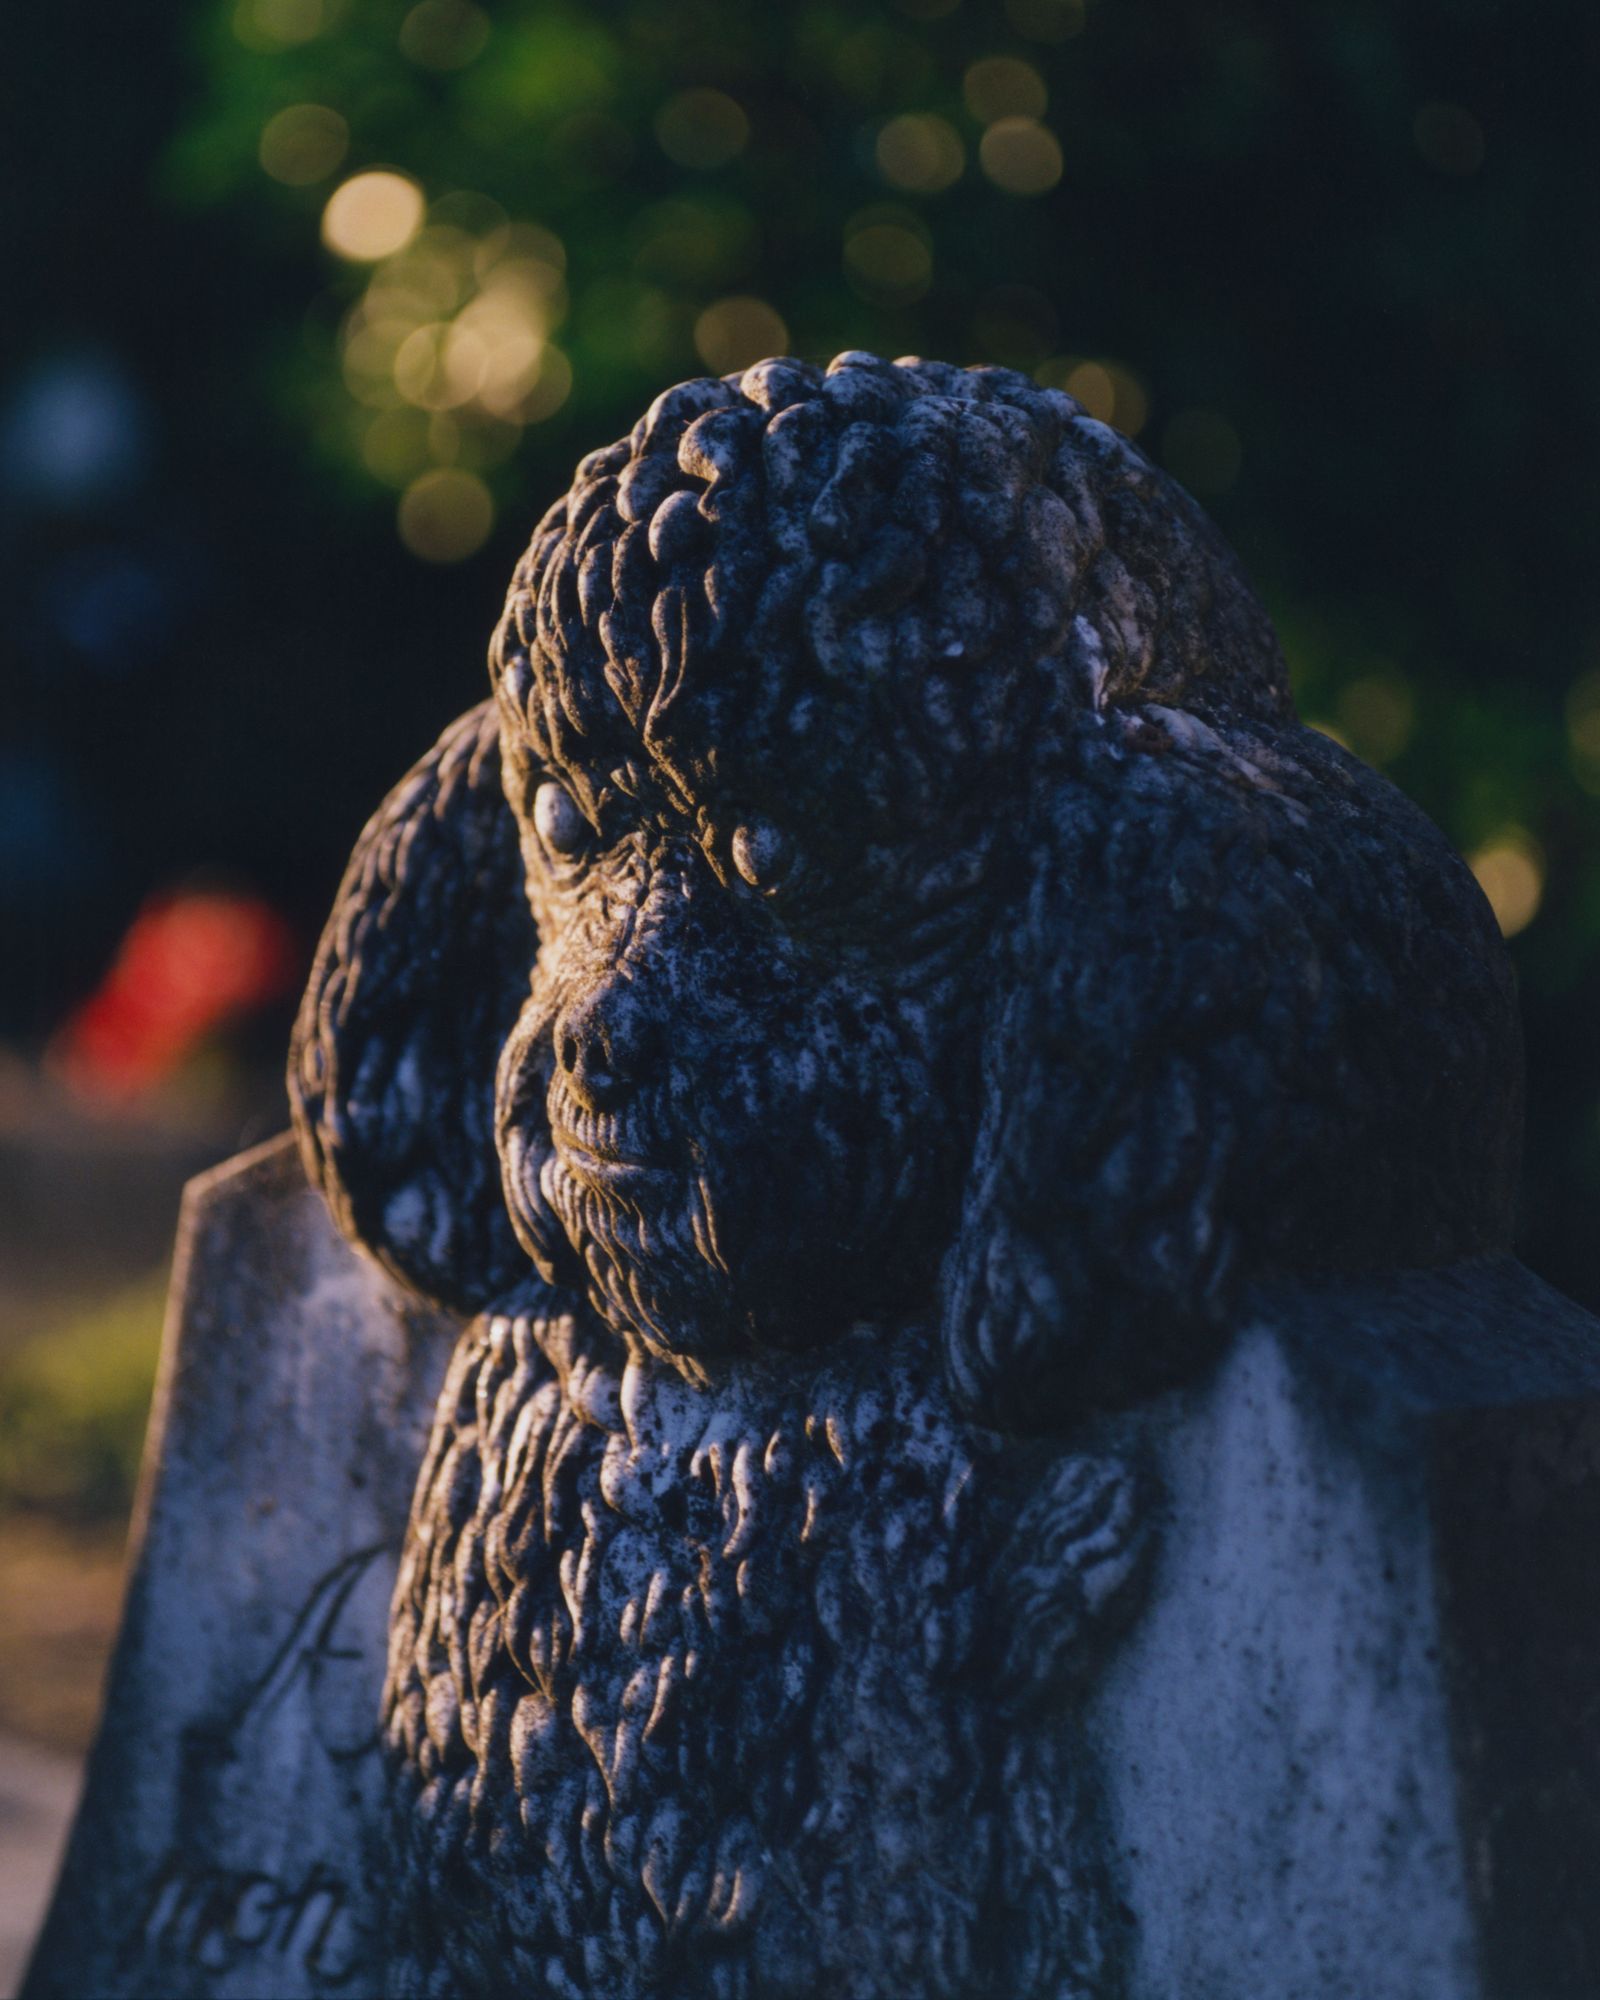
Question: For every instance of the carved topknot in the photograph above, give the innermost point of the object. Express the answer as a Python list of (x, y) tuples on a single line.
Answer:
[(957, 548)]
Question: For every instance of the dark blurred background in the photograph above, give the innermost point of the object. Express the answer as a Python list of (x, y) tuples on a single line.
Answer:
[(313, 304)]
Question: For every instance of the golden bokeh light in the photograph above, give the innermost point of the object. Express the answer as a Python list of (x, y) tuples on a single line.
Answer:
[(1108, 391), (920, 153), (887, 257), (420, 373), (1449, 138), (1021, 156), (303, 144), (493, 353), (445, 515), (1202, 451), (1090, 382), (1004, 87), (426, 280), (448, 353), (1130, 405), (372, 215), (538, 286), (525, 245), (489, 354), (443, 34), (458, 323), (1510, 872), (735, 332), (702, 129)]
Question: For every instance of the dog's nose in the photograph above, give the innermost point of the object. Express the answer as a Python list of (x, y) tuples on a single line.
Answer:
[(605, 1041)]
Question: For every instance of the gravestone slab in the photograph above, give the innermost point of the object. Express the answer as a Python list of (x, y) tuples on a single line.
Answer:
[(1351, 1740), (221, 1847), (993, 1445), (1348, 1746)]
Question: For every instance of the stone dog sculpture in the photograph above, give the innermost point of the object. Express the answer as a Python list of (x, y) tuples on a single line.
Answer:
[(860, 1008)]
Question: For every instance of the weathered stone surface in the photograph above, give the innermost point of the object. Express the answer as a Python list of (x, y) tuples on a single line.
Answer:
[(1349, 1744), (994, 1448), (222, 1844), (1346, 1748)]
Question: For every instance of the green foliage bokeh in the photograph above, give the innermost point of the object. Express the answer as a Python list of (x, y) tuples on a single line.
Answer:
[(1332, 259)]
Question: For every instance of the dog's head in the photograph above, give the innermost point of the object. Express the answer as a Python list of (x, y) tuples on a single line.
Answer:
[(935, 908)]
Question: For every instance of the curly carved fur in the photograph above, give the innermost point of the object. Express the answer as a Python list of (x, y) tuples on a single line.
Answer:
[(708, 1696), (938, 920)]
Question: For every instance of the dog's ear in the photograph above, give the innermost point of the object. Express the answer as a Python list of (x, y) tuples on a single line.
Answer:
[(417, 982), (1253, 1019), (1091, 1253)]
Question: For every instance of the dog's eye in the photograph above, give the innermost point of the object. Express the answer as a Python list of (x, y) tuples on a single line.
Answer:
[(761, 853), (562, 828)]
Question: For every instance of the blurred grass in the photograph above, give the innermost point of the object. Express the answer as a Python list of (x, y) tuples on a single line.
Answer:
[(73, 1405)]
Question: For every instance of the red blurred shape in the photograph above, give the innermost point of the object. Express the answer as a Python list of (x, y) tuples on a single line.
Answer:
[(190, 962)]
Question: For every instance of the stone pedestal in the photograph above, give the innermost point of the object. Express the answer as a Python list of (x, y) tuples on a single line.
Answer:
[(1351, 1744), (222, 1844)]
